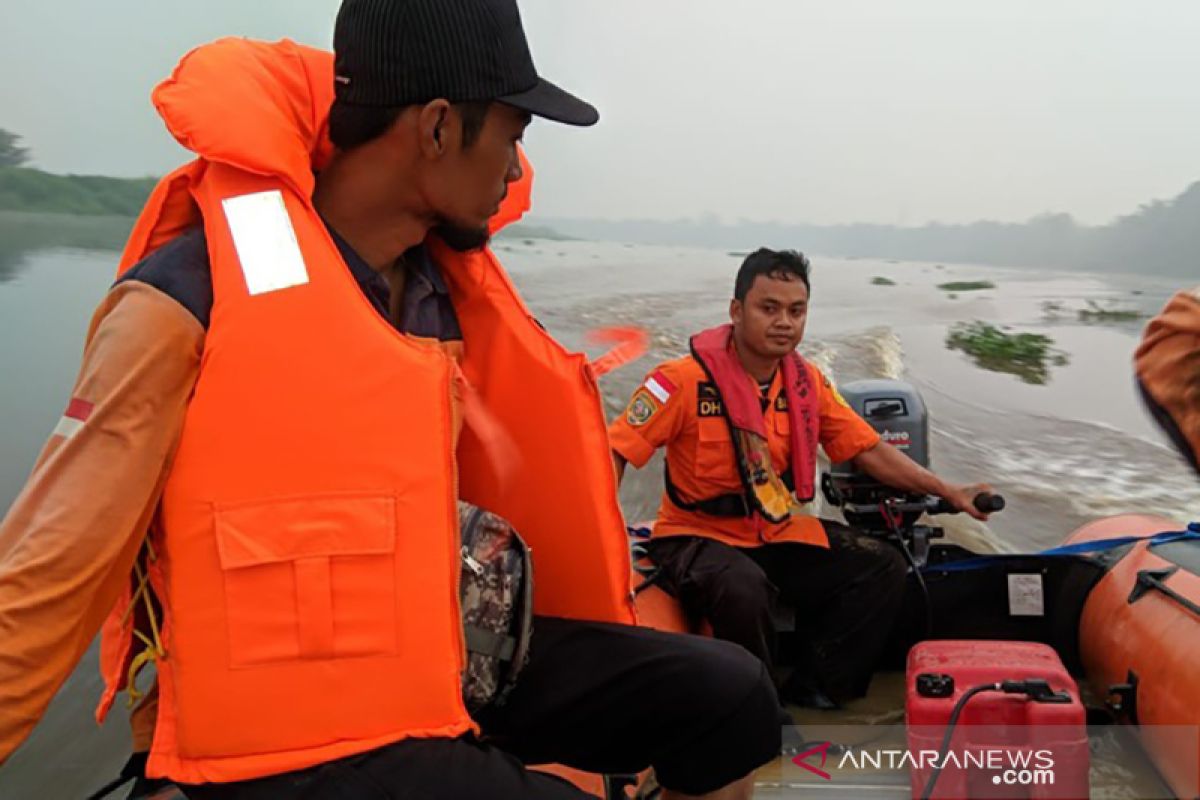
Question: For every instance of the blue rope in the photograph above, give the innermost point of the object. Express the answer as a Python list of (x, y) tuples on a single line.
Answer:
[(1099, 546)]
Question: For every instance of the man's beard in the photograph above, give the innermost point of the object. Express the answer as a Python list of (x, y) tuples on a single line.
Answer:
[(462, 239)]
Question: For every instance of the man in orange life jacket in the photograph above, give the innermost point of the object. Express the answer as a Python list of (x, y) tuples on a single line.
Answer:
[(741, 418), (1168, 372), (308, 357)]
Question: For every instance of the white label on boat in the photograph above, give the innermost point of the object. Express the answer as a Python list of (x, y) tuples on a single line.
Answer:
[(265, 241), (1025, 596)]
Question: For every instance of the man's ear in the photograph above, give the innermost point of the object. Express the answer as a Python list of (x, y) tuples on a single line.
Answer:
[(432, 128), (735, 311)]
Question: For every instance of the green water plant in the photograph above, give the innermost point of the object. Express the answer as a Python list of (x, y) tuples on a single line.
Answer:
[(1029, 356), (966, 286), (1098, 313)]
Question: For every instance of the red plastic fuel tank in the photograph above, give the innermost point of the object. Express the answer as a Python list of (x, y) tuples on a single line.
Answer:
[(1004, 745)]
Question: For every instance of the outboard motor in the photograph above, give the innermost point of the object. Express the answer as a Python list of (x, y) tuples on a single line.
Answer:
[(894, 409)]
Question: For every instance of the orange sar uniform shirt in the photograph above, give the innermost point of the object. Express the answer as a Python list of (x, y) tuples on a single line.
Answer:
[(701, 456)]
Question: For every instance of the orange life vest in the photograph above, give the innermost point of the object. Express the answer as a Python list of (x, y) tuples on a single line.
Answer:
[(306, 554), (764, 490), (688, 417)]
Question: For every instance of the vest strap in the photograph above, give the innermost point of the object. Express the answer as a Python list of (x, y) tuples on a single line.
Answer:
[(723, 505)]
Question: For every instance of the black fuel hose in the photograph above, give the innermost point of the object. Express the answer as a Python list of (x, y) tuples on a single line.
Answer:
[(945, 748), (1036, 690)]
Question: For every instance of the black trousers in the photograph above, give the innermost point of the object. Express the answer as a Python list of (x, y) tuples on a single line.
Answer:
[(846, 599), (601, 698)]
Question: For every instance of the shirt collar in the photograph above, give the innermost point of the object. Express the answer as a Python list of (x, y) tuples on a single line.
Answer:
[(417, 258)]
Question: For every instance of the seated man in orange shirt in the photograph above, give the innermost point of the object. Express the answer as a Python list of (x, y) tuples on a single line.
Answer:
[(741, 418)]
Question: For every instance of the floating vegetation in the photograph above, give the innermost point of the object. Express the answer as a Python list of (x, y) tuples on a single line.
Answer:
[(966, 286), (1095, 313), (1053, 309), (1029, 356), (879, 280), (1110, 313)]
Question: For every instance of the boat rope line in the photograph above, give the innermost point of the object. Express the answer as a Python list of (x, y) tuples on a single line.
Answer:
[(1191, 533)]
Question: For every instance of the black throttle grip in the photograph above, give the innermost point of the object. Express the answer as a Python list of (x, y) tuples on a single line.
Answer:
[(987, 503)]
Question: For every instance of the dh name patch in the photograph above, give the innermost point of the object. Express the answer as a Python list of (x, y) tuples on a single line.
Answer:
[(708, 401)]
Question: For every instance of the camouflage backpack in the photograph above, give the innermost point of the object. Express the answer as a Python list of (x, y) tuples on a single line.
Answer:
[(497, 605)]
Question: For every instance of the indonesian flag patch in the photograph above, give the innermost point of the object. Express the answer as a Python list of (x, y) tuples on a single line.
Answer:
[(72, 420), (660, 386)]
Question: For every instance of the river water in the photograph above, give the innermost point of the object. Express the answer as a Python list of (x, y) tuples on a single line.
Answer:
[(1072, 449)]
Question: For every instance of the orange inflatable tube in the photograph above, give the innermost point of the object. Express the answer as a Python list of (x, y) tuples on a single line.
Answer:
[(1140, 628)]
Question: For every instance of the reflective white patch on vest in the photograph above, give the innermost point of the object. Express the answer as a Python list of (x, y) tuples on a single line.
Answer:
[(265, 241)]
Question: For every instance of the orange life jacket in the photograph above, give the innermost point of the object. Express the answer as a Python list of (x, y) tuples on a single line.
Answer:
[(764, 490), (306, 555), (704, 461)]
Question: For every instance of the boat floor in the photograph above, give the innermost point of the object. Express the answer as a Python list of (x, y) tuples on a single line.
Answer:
[(1120, 770)]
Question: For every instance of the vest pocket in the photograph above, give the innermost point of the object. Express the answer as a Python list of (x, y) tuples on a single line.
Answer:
[(715, 458), (309, 578), (783, 423)]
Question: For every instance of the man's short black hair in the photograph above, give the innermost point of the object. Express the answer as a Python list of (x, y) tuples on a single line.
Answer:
[(352, 125), (772, 263)]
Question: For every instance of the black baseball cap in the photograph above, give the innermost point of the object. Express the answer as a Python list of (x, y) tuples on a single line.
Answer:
[(405, 52)]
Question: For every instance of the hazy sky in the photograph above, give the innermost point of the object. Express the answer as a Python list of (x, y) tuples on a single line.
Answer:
[(792, 110)]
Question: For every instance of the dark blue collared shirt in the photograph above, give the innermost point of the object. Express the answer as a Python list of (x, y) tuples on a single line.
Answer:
[(181, 270)]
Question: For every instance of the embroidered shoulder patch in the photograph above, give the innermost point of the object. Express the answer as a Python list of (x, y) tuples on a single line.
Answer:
[(837, 396), (641, 408)]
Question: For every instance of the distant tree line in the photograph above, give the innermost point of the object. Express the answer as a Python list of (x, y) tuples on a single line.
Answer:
[(1162, 237), (23, 188)]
